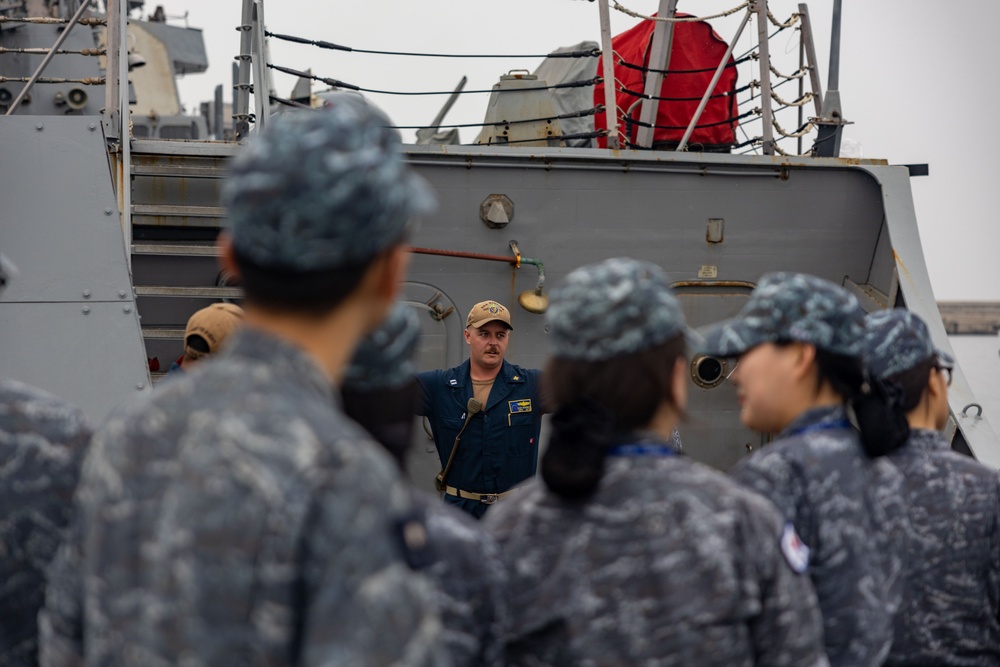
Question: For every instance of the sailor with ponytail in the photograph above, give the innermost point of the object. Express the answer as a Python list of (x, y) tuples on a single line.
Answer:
[(625, 552), (951, 579), (799, 376)]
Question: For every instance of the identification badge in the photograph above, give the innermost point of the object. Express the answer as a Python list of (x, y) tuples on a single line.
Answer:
[(520, 405), (795, 551)]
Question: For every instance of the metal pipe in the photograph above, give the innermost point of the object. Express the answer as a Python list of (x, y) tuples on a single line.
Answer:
[(465, 255), (517, 260), (659, 58), (109, 116), (833, 81), (610, 94), (807, 38), (767, 114), (262, 89), (711, 86), (241, 106), (48, 57), (126, 130)]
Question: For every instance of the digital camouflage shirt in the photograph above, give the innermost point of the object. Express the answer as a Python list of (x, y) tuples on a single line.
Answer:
[(42, 441), (669, 563), (236, 517), (847, 510), (951, 578), (470, 578)]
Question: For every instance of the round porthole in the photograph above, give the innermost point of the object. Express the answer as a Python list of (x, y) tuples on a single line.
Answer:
[(708, 372)]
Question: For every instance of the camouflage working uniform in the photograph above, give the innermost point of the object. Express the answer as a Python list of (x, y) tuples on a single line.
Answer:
[(463, 562), (844, 505), (42, 441), (950, 614), (951, 579), (668, 562), (469, 578), (250, 528), (237, 517), (846, 509)]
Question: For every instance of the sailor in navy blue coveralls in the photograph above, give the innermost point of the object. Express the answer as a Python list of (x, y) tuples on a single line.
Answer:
[(499, 447)]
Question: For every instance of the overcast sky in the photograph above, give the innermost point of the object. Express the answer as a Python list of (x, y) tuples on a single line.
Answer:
[(915, 80)]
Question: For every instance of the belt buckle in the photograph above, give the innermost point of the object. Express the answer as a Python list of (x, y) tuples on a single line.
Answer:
[(488, 498)]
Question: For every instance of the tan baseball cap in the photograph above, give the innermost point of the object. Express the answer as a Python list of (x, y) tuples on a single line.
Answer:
[(487, 311), (214, 324)]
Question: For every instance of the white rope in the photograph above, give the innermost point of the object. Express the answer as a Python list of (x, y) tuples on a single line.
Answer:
[(806, 97), (792, 135), (779, 151), (674, 19), (792, 20), (798, 75), (47, 20)]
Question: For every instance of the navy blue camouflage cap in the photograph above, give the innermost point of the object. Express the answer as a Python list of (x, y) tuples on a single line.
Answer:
[(323, 189), (384, 359), (616, 307), (792, 307), (896, 340)]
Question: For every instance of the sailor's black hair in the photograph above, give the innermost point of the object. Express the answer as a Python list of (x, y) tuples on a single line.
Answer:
[(595, 404), (876, 404)]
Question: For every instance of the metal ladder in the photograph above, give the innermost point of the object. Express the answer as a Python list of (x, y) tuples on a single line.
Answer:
[(176, 215)]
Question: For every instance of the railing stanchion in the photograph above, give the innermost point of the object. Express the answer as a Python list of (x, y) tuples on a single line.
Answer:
[(767, 113), (241, 110), (610, 92), (659, 59), (48, 57), (711, 86)]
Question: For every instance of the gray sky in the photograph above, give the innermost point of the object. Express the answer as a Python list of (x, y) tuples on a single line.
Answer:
[(912, 81)]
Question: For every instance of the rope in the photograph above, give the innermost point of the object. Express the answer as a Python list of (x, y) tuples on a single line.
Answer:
[(792, 20), (583, 83), (590, 53), (45, 19), (801, 132), (39, 51), (806, 97), (573, 114), (86, 81), (674, 19), (644, 96), (798, 75), (780, 151), (640, 68)]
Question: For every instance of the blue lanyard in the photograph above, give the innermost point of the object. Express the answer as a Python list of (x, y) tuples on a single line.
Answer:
[(642, 450), (821, 426)]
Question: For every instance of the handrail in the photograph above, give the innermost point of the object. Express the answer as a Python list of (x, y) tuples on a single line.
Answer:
[(711, 86), (48, 57)]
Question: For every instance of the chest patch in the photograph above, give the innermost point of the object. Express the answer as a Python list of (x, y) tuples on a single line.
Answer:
[(795, 551), (520, 405)]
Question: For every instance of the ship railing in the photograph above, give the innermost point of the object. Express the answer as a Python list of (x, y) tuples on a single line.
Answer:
[(115, 116), (49, 53), (762, 100)]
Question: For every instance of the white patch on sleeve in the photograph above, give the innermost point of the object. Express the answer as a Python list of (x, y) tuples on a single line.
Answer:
[(796, 552)]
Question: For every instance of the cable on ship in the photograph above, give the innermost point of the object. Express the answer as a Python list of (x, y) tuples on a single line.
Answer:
[(350, 86), (588, 53), (626, 64)]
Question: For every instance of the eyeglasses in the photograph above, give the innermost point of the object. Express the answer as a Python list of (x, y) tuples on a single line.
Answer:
[(732, 370), (947, 373)]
